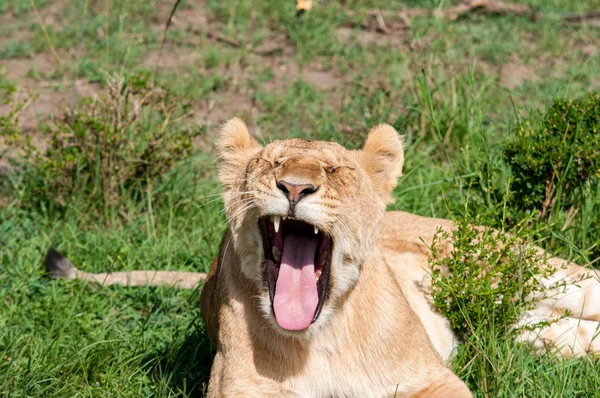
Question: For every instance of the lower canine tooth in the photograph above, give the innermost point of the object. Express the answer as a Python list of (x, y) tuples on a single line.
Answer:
[(276, 253), (318, 275), (316, 230)]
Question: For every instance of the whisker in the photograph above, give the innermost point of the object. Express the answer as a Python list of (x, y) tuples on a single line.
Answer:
[(237, 204), (238, 212)]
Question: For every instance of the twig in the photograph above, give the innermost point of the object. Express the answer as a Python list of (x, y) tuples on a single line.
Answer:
[(411, 13), (490, 7), (43, 27), (498, 7), (381, 24), (218, 37), (584, 16), (162, 43), (405, 19), (21, 107)]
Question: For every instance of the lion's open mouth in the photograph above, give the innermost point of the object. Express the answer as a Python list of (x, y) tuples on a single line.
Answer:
[(297, 268)]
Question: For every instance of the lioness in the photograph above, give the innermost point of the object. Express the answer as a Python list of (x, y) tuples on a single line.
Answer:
[(316, 291)]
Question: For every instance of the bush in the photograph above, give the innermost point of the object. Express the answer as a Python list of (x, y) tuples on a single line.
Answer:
[(108, 148), (487, 281), (552, 158)]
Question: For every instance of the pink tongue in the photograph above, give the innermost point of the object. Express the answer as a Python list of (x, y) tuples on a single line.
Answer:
[(296, 296)]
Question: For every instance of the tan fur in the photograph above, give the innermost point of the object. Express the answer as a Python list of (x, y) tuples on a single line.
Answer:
[(377, 335), (367, 341)]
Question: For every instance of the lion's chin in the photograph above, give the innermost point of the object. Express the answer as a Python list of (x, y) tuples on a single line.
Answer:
[(296, 270)]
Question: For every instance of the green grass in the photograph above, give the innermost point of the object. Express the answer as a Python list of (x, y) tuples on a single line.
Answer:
[(442, 84)]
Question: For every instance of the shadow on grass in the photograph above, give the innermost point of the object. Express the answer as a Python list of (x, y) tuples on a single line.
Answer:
[(183, 367)]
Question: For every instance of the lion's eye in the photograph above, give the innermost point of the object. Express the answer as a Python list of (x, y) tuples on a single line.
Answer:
[(331, 169)]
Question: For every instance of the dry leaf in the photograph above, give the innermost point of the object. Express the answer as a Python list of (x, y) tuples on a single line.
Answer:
[(303, 5)]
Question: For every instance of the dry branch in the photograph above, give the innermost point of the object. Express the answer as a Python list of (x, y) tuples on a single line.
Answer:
[(490, 7), (43, 27), (218, 37), (487, 7)]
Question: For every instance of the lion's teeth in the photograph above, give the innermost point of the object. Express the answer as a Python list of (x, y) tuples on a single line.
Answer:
[(316, 230), (276, 253), (318, 275), (276, 221), (284, 218)]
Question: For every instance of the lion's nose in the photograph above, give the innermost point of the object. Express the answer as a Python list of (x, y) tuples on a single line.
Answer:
[(295, 192)]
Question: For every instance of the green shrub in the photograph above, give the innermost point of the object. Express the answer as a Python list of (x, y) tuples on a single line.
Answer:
[(9, 123), (552, 158), (108, 148), (486, 281)]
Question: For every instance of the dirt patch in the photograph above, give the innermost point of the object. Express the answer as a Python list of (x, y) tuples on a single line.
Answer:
[(590, 49), (275, 44), (22, 36), (18, 68), (513, 75), (195, 16), (233, 99), (51, 15), (8, 18), (52, 95), (486, 68), (214, 112), (322, 80), (172, 57), (595, 85), (558, 68), (222, 107), (285, 71), (49, 102)]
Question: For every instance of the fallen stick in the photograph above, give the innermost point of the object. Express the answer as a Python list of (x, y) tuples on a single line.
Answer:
[(490, 7), (218, 37), (487, 7), (581, 17), (381, 24)]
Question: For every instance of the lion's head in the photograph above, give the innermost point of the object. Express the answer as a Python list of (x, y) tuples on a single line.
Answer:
[(304, 216)]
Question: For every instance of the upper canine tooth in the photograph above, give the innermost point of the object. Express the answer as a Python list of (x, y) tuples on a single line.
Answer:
[(276, 221), (316, 230)]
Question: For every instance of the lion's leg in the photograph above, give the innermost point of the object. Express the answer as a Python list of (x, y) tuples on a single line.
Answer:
[(445, 385), (233, 378), (573, 292), (568, 337)]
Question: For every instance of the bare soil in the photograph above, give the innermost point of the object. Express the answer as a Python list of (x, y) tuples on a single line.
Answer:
[(514, 75)]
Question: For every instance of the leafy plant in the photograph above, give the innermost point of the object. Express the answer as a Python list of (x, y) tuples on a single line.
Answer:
[(553, 158), (486, 279), (108, 147), (9, 122)]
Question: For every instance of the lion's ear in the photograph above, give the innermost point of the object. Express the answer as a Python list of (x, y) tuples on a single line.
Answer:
[(383, 157), (235, 148)]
